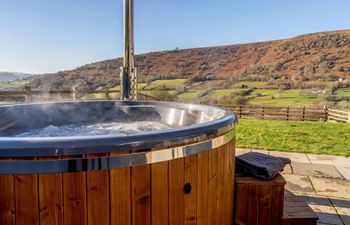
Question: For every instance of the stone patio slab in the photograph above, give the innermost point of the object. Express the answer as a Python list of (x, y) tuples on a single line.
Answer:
[(344, 171), (241, 151), (298, 184), (343, 208), (287, 170), (329, 160), (331, 187), (295, 157), (317, 170), (324, 209), (266, 152)]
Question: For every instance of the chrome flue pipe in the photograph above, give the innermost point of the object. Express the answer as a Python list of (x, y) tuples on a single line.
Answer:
[(128, 72)]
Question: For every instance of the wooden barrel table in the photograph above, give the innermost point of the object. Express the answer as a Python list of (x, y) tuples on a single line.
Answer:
[(190, 181)]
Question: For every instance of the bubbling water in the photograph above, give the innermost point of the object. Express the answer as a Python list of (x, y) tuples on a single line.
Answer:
[(114, 128)]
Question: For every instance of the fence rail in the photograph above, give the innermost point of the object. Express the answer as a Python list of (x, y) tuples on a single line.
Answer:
[(279, 113), (338, 116), (242, 111), (29, 95)]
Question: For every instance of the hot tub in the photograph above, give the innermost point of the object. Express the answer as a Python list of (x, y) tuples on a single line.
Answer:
[(62, 163)]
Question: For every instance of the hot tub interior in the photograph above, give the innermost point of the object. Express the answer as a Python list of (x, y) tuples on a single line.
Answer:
[(92, 118)]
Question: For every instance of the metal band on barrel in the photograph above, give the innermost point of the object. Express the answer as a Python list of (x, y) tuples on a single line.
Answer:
[(111, 162)]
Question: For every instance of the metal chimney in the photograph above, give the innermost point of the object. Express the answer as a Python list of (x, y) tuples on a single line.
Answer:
[(128, 72)]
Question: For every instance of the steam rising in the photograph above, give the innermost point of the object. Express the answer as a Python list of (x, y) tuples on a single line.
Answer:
[(118, 129)]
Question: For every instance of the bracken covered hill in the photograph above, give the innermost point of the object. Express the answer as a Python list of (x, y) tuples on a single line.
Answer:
[(318, 56)]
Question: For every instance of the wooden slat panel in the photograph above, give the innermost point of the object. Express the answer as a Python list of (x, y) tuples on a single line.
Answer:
[(74, 190), (232, 167), (27, 205), (202, 195), (176, 193), (141, 195), (229, 172), (7, 200), (98, 197), (191, 198), (221, 184), (241, 211), (51, 199), (276, 215), (213, 184), (120, 188), (253, 208), (160, 196), (264, 195)]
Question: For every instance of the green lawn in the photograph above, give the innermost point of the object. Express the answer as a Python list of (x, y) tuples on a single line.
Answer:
[(306, 137)]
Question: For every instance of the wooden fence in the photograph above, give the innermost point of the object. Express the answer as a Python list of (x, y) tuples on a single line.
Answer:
[(242, 111), (29, 95), (279, 113), (338, 116)]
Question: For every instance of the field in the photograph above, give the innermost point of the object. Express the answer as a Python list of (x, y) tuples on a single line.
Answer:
[(305, 137), (276, 97), (12, 85), (165, 84), (217, 90)]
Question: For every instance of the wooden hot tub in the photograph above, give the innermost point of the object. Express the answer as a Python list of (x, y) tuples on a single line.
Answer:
[(181, 175)]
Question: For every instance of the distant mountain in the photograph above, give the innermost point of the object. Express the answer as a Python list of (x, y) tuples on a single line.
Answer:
[(11, 76), (317, 56)]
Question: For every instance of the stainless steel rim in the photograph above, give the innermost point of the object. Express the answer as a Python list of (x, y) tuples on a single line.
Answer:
[(111, 162)]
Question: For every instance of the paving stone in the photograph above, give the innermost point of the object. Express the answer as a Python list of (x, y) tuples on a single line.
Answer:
[(331, 187), (266, 152), (317, 170), (298, 184), (329, 160), (324, 209), (241, 151), (287, 170), (343, 208), (344, 171), (295, 157)]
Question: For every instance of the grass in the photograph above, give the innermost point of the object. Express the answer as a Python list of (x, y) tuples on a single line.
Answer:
[(166, 84), (188, 95), (343, 92), (276, 97), (214, 84), (18, 84), (221, 93), (294, 136), (250, 84)]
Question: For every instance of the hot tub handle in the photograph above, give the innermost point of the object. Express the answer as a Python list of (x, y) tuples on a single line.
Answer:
[(187, 189)]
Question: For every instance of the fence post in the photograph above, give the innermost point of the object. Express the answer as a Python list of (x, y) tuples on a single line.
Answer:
[(287, 112), (107, 93), (325, 109), (262, 112), (28, 95), (75, 93), (240, 111), (304, 112)]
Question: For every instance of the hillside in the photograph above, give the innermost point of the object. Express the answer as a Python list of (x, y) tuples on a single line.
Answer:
[(11, 76), (319, 56)]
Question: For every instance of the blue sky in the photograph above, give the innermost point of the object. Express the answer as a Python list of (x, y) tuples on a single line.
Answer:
[(38, 36)]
